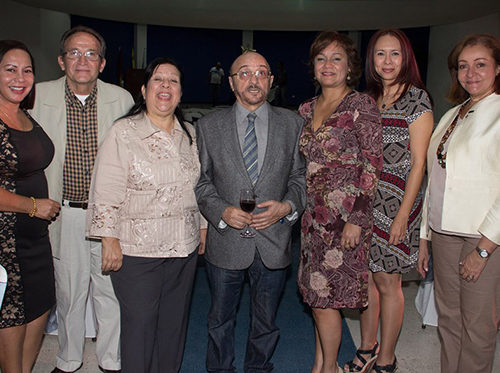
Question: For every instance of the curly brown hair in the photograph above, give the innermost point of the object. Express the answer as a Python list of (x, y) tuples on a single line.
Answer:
[(326, 38)]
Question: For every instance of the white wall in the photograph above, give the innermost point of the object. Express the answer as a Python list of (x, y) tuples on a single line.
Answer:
[(40, 30), (441, 42)]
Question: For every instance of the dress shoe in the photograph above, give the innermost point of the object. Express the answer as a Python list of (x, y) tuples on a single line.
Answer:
[(109, 370), (57, 370)]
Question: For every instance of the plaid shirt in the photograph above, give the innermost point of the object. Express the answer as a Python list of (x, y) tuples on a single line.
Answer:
[(81, 145)]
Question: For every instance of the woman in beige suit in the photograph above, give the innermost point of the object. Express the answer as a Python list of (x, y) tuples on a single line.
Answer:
[(461, 213)]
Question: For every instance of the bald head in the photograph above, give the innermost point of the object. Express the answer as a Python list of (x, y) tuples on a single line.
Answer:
[(250, 91), (246, 58)]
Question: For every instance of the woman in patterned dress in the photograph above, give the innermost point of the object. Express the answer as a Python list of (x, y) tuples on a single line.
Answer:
[(342, 144), (25, 212), (393, 80)]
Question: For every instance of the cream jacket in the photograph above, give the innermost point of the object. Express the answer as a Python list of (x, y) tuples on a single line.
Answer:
[(50, 112), (143, 190), (471, 201)]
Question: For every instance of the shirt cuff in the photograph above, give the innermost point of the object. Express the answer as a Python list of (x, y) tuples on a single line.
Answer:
[(222, 224), (293, 214)]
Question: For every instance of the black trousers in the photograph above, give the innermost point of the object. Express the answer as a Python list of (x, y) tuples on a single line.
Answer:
[(154, 296)]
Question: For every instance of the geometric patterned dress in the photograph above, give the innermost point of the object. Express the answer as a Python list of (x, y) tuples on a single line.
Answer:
[(400, 258)]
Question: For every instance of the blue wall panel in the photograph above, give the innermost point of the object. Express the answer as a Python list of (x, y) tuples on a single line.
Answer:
[(292, 48), (196, 51), (117, 35)]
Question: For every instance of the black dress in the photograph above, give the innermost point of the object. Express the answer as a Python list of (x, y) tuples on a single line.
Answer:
[(27, 253)]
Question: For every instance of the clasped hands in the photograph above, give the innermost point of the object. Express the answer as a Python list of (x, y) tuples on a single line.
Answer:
[(237, 218)]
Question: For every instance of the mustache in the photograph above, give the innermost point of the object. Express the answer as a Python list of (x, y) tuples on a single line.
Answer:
[(254, 86)]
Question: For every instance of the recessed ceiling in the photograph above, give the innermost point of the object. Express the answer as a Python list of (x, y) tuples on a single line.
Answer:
[(299, 15)]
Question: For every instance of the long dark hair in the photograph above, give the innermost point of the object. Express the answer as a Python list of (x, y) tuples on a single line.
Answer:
[(8, 45), (140, 104), (409, 74)]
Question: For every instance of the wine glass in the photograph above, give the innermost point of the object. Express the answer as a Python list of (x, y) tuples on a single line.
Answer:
[(247, 204)]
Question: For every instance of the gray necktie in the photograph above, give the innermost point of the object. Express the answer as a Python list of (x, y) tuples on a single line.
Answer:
[(250, 149)]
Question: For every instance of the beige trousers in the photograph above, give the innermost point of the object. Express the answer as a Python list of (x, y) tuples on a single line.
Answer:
[(78, 269), (468, 312)]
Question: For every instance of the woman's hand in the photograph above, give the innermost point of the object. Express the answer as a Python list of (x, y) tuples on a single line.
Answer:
[(112, 256), (423, 258), (47, 209), (203, 240), (398, 230), (351, 235), (472, 266)]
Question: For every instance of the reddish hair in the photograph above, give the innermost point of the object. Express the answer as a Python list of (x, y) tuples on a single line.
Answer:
[(457, 93), (409, 74), (324, 39)]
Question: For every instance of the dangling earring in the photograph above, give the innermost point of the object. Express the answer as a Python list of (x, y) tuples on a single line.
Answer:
[(348, 75)]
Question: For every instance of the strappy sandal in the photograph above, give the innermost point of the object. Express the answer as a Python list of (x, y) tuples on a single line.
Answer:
[(352, 367), (390, 368)]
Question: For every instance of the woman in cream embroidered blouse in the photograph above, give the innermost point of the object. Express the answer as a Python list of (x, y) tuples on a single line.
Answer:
[(143, 206)]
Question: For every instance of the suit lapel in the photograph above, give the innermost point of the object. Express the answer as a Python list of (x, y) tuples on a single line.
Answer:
[(272, 148), (229, 135)]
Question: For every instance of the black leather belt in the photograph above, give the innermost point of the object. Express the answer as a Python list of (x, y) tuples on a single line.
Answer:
[(76, 205)]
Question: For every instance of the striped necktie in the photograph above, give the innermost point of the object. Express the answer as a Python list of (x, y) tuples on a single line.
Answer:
[(250, 149)]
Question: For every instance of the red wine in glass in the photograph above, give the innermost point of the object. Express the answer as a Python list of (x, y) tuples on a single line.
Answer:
[(247, 204)]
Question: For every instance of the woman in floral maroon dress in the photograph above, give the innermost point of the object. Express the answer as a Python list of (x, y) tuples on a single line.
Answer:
[(342, 143)]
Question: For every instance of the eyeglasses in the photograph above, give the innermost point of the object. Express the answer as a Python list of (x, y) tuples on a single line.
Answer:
[(75, 54), (247, 74)]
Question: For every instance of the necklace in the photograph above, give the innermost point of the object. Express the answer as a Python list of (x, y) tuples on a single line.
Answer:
[(440, 151), (388, 99)]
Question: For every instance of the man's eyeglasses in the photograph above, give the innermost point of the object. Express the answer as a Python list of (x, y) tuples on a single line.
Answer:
[(247, 74), (75, 54)]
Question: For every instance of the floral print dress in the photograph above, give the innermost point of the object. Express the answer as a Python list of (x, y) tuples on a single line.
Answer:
[(344, 159)]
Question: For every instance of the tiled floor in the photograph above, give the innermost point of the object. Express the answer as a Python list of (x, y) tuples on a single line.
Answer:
[(417, 350)]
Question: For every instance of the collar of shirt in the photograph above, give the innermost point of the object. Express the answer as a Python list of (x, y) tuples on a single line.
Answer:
[(241, 115), (74, 101), (148, 128)]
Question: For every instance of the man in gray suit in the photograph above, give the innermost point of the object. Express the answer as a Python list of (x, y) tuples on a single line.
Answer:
[(251, 145)]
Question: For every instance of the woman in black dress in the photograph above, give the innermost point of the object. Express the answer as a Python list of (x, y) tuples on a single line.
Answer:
[(25, 212)]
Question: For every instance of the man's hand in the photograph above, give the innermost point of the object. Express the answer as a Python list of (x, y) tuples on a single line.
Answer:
[(275, 211), (111, 254), (236, 218)]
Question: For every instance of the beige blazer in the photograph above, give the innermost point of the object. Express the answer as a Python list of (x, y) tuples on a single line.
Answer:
[(471, 201), (50, 112)]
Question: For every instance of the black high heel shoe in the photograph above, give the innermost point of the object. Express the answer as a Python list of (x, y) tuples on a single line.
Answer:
[(390, 368), (367, 362)]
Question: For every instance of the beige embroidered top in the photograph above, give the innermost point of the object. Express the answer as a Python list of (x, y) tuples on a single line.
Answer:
[(143, 190)]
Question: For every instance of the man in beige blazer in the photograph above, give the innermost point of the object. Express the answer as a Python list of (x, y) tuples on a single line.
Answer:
[(75, 111)]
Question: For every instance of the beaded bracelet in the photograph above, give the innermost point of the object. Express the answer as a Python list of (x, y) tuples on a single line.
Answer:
[(34, 209)]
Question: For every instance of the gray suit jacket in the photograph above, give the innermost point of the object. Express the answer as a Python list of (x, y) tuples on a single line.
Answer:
[(223, 175)]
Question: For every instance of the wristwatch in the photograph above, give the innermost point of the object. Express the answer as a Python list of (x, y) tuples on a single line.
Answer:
[(483, 253)]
